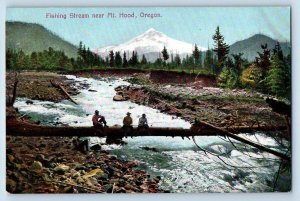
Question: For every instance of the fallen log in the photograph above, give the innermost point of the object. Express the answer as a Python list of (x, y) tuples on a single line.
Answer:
[(21, 128), (59, 86), (246, 141), (15, 127)]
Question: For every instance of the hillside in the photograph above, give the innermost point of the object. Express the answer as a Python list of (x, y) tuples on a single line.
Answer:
[(252, 45), (33, 37)]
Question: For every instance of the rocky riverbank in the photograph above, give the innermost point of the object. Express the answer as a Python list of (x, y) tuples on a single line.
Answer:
[(37, 85), (54, 165), (220, 107)]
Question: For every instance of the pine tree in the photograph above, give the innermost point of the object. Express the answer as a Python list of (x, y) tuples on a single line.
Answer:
[(200, 59), (21, 59), (277, 76), (263, 59), (133, 61), (209, 62), (165, 54), (89, 58), (34, 60), (27, 62), (177, 60), (84, 53), (277, 50), (125, 62), (106, 61), (221, 49), (63, 60), (228, 78), (158, 62), (79, 50), (111, 59), (118, 59), (172, 58), (10, 64), (196, 55), (239, 63), (143, 60)]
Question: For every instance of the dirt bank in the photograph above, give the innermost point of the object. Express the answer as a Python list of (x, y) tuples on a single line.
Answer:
[(156, 76)]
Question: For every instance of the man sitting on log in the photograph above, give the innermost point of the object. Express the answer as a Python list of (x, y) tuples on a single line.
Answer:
[(143, 123), (127, 124), (98, 120)]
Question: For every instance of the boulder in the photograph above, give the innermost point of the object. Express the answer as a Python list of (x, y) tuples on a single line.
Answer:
[(118, 98), (61, 169), (11, 185), (96, 172), (40, 157), (29, 102), (36, 165)]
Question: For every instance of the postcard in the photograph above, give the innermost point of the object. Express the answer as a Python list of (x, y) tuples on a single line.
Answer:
[(148, 100)]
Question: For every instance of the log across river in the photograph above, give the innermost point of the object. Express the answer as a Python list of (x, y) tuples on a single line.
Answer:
[(20, 128)]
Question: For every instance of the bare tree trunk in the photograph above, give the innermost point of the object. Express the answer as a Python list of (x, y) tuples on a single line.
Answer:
[(11, 101)]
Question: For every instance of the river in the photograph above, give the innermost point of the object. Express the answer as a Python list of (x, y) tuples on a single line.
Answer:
[(181, 164)]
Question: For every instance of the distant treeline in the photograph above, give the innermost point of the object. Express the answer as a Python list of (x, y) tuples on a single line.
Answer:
[(270, 73)]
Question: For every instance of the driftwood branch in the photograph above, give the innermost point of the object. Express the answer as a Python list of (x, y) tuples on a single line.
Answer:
[(253, 144), (59, 86)]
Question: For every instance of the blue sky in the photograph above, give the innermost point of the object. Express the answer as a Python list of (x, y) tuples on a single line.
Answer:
[(189, 24)]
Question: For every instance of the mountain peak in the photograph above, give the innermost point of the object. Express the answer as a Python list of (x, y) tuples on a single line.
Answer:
[(151, 30), (151, 43), (252, 45), (152, 33)]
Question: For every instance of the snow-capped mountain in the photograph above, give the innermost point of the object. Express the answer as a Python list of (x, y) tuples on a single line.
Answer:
[(151, 44)]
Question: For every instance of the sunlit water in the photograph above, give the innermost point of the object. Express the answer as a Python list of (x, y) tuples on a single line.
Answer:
[(183, 167)]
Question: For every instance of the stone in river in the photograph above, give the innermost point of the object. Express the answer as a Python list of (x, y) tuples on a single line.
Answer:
[(29, 102), (92, 90), (118, 98)]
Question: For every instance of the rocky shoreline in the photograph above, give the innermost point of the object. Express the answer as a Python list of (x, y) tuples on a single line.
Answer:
[(37, 165)]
